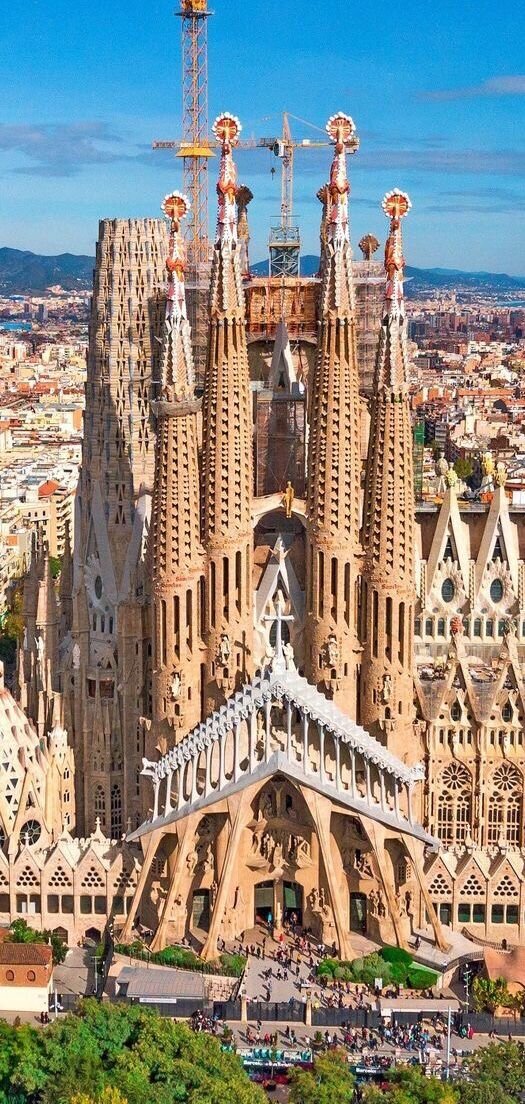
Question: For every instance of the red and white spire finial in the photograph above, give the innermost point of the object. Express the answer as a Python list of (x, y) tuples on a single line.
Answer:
[(226, 129), (341, 128), (175, 206), (396, 205)]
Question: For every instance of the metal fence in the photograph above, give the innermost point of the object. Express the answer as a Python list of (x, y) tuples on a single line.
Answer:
[(270, 1011), (482, 1023), (350, 1017), (227, 1010)]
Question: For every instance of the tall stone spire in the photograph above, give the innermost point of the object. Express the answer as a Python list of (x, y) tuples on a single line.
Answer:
[(333, 459), (38, 659), (178, 557), (111, 614), (227, 476), (388, 538)]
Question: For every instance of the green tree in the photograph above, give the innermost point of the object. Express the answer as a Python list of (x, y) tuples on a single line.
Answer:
[(463, 468), (483, 1092), (107, 1096), (13, 623), (489, 994), (515, 1003), (410, 1086), (22, 933), (500, 1064), (55, 564), (118, 1054), (330, 1081)]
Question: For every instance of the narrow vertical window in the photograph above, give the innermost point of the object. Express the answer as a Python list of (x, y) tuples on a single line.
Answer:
[(212, 594), (388, 628), (176, 625), (238, 583), (320, 583), (375, 612), (226, 587), (333, 588), (402, 633), (347, 594), (189, 619), (163, 632)]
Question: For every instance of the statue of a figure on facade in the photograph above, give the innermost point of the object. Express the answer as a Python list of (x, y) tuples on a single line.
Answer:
[(287, 499), (224, 650)]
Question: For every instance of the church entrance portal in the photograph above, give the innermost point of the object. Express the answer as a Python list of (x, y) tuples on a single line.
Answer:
[(200, 911), (293, 902), (358, 912), (263, 903)]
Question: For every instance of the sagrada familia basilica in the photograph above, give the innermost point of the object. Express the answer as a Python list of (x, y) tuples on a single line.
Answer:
[(271, 683)]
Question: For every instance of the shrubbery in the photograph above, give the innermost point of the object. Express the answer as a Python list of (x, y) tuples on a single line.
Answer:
[(183, 958), (392, 964), (397, 954)]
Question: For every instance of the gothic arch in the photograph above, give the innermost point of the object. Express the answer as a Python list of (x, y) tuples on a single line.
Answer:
[(505, 807), (453, 815)]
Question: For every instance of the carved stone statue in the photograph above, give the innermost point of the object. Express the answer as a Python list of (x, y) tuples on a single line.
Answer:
[(75, 655), (386, 692), (313, 900), (267, 807), (192, 859), (224, 650), (288, 656), (332, 651), (40, 647), (501, 474), (487, 464), (287, 499), (175, 685), (261, 727)]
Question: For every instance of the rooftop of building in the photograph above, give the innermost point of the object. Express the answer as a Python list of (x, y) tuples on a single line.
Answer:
[(25, 954)]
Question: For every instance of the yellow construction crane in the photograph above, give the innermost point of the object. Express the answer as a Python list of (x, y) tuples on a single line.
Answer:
[(195, 148)]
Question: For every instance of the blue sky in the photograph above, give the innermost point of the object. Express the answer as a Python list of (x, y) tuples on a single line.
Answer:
[(437, 91)]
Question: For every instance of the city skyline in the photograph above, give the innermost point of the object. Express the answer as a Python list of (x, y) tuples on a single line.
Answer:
[(434, 116)]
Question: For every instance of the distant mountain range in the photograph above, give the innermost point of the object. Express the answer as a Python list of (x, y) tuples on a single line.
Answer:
[(22, 272), (427, 278)]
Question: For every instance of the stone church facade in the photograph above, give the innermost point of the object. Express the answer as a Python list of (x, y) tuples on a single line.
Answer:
[(306, 701)]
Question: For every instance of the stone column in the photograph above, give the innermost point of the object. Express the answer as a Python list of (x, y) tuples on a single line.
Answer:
[(186, 830), (320, 809), (238, 806), (150, 844)]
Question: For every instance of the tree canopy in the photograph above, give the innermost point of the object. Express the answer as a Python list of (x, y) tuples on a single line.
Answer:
[(500, 1068), (330, 1081), (118, 1054), (408, 1085)]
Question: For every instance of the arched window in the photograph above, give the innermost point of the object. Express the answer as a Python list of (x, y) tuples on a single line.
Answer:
[(454, 804), (505, 805), (100, 805), (116, 812)]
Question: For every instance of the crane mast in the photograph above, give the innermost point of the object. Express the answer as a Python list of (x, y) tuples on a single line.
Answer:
[(195, 152)]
